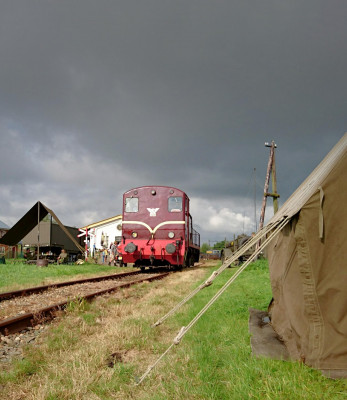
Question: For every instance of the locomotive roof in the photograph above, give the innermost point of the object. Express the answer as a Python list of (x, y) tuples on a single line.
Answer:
[(156, 186)]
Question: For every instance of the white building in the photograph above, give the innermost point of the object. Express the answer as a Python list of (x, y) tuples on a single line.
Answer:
[(101, 234)]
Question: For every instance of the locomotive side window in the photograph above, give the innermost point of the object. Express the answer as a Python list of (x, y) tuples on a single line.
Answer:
[(175, 204), (131, 204)]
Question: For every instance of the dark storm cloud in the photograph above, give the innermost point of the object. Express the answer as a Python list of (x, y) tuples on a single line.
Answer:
[(181, 93)]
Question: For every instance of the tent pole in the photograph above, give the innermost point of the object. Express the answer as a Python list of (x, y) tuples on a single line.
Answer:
[(86, 246), (38, 231)]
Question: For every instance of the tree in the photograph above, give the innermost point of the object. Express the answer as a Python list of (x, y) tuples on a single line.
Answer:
[(219, 245), (204, 247)]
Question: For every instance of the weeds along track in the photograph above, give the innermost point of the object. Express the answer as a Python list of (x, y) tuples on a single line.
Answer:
[(29, 309)]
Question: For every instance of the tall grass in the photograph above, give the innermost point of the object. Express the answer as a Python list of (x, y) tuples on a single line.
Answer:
[(97, 351)]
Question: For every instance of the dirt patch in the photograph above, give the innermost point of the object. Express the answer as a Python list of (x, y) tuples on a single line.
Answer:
[(125, 356), (115, 358), (207, 263)]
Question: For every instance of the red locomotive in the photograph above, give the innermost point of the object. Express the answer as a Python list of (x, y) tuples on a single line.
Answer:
[(157, 228)]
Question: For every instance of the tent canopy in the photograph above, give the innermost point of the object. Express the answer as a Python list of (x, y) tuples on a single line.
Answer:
[(29, 221)]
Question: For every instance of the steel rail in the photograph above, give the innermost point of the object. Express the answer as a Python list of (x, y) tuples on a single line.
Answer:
[(20, 322), (39, 289)]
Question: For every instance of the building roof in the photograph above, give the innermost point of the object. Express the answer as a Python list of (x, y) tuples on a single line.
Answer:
[(3, 225), (102, 222)]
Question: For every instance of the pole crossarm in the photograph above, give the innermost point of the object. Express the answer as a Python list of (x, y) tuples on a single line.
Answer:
[(272, 195)]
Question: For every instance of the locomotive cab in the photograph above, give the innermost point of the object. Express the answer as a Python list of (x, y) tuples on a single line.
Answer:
[(157, 228)]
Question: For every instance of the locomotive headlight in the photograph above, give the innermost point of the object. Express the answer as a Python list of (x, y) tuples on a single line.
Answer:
[(134, 234), (130, 247), (170, 248), (171, 235)]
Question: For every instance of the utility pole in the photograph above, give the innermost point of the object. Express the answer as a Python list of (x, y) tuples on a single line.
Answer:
[(274, 193), (270, 168), (255, 201)]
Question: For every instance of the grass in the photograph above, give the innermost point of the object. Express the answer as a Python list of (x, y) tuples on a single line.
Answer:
[(15, 276), (97, 350), (219, 351)]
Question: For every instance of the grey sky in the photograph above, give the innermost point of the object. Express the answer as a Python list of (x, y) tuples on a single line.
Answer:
[(97, 97)]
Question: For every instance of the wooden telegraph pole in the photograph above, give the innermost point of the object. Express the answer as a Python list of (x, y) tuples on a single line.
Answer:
[(271, 167)]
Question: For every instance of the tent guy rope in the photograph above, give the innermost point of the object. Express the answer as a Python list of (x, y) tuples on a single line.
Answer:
[(253, 241), (275, 229)]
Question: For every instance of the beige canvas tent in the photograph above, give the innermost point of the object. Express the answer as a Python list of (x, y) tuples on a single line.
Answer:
[(308, 268)]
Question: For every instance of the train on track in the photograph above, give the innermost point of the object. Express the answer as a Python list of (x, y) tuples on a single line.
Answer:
[(157, 228)]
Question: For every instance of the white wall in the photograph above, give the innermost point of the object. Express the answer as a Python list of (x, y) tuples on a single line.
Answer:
[(109, 230)]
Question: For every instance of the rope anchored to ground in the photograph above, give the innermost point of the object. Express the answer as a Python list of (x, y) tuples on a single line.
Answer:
[(226, 264), (274, 229)]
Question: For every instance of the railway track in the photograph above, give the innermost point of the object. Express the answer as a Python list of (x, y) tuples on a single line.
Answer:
[(28, 307), (39, 289)]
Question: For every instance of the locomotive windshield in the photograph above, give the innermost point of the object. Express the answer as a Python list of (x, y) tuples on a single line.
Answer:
[(175, 204), (131, 204)]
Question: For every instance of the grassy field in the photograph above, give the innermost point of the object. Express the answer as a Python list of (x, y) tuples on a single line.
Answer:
[(97, 350), (18, 275)]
